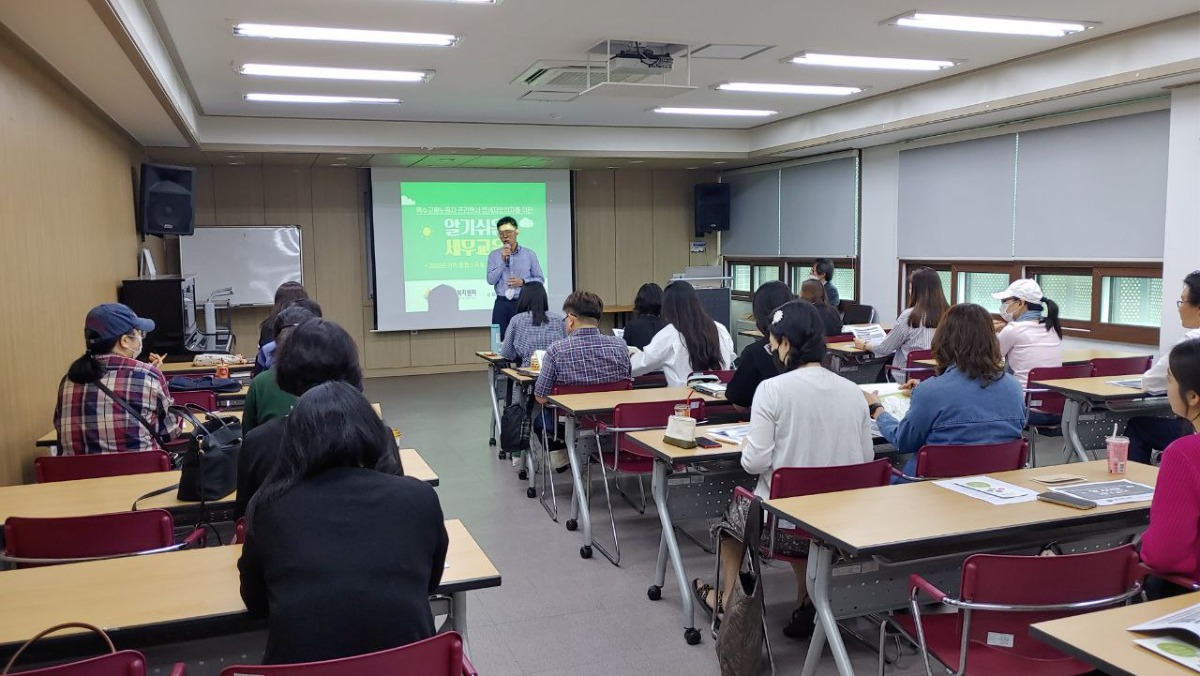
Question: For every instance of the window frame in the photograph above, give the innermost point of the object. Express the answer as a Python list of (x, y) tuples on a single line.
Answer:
[(787, 265), (805, 263), (753, 262)]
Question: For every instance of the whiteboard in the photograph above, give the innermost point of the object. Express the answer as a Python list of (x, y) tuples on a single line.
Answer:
[(254, 260)]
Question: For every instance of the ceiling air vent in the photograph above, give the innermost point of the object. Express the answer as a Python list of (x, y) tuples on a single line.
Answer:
[(570, 76)]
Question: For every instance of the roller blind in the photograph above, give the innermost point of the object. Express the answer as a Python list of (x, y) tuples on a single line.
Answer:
[(819, 208), (753, 215), (956, 200), (1094, 189)]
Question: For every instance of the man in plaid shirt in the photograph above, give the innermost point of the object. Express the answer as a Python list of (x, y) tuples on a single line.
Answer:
[(87, 418)]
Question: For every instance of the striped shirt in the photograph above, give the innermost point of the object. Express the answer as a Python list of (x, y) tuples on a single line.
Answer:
[(89, 421), (586, 357), (902, 340), (522, 338)]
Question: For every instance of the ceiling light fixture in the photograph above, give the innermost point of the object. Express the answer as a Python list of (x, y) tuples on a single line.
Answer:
[(322, 73), (1053, 28), (716, 112), (308, 98), (774, 88), (877, 62), (262, 30)]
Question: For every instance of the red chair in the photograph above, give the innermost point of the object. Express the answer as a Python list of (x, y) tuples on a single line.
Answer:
[(206, 399), (115, 663), (791, 482), (1121, 366), (1042, 400), (626, 456), (440, 655), (911, 369), (840, 338), (1001, 596), (724, 375), (32, 542), (73, 467), (648, 380), (239, 532), (942, 462)]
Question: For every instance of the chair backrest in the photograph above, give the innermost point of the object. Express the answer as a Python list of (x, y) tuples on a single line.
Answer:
[(1040, 580), (1052, 402), (724, 375), (935, 461), (653, 379), (791, 482), (859, 314), (120, 663), (648, 414), (1121, 366), (839, 338), (95, 535), (239, 532), (206, 399), (72, 467), (915, 371), (439, 655), (601, 387)]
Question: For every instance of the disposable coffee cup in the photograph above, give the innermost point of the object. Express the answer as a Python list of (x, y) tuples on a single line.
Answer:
[(1118, 454), (683, 410)]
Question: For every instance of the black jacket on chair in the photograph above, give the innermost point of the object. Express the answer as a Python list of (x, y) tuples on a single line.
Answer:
[(343, 563)]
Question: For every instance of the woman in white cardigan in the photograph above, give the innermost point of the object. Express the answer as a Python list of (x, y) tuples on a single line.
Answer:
[(691, 341)]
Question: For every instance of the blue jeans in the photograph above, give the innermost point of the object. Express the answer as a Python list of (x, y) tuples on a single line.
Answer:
[(503, 310)]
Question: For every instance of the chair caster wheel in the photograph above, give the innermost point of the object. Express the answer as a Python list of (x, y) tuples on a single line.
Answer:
[(492, 441), (654, 592), (572, 525), (523, 475), (530, 493), (585, 552), (691, 635), (502, 455)]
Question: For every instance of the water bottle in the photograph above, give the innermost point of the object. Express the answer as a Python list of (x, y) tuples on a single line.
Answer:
[(496, 343)]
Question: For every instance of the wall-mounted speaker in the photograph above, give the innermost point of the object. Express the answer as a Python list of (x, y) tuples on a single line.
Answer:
[(166, 205), (712, 208)]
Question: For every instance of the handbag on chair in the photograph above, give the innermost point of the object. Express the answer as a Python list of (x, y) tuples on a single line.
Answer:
[(209, 465)]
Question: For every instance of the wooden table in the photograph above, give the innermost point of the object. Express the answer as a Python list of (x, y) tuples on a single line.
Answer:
[(667, 457), (620, 314), (117, 493), (599, 403), (1071, 357), (896, 530), (177, 368), (1096, 403), (181, 589), (496, 364), (50, 439), (1102, 638)]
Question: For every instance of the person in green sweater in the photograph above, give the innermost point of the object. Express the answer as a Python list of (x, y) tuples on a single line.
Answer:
[(265, 401)]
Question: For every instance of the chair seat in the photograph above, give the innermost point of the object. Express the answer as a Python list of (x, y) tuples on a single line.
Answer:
[(941, 636), (628, 463)]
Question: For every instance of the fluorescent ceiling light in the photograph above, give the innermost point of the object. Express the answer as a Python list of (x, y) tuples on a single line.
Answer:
[(321, 73), (773, 88), (261, 30), (306, 98), (877, 62), (716, 112), (989, 24)]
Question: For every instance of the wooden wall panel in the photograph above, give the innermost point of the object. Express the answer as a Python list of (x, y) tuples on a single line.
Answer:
[(469, 341), (595, 233), (338, 241), (634, 233), (384, 350), (66, 248)]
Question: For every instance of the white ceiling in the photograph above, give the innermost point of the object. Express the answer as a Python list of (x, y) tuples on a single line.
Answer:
[(473, 80)]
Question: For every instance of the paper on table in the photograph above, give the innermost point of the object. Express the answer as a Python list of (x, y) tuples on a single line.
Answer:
[(868, 332), (991, 491), (1187, 620), (1173, 649), (730, 434), (620, 333), (1135, 383), (1110, 492), (894, 402)]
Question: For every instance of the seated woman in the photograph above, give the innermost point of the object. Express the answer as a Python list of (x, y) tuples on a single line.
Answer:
[(915, 326), (646, 321), (691, 341), (89, 417), (534, 327), (315, 352), (806, 417), (969, 401), (1171, 545), (756, 363), (813, 291), (286, 294), (342, 550), (265, 400), (266, 352)]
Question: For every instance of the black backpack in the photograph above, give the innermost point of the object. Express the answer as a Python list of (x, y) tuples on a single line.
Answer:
[(514, 429)]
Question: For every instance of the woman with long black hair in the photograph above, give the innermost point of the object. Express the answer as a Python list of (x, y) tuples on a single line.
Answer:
[(691, 341), (534, 327)]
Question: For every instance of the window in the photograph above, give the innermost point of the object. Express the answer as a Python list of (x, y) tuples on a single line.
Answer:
[(764, 274), (843, 279), (978, 287), (1131, 301), (749, 274), (845, 275), (1072, 292), (741, 277), (967, 282)]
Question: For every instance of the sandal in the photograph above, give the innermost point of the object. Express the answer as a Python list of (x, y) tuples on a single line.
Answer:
[(700, 590)]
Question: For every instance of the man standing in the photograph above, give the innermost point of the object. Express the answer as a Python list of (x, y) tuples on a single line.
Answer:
[(508, 268)]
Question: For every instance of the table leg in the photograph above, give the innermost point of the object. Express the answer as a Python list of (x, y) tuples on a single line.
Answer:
[(818, 574), (491, 378), (579, 507), (458, 610), (667, 542), (1070, 428)]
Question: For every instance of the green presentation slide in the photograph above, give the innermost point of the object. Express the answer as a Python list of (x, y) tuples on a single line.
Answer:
[(449, 230)]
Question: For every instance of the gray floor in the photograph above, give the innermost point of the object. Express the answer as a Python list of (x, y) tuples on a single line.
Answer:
[(555, 613)]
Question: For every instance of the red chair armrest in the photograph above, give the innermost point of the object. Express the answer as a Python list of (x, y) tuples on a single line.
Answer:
[(180, 669), (742, 491), (196, 538), (468, 669), (916, 582), (1173, 578)]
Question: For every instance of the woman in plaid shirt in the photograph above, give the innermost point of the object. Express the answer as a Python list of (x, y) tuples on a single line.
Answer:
[(87, 418), (533, 328)]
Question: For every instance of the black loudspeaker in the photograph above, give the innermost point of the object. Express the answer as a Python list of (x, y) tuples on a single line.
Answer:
[(165, 202), (712, 208), (164, 299)]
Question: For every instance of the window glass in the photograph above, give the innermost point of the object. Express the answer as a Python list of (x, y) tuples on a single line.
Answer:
[(978, 287), (1131, 301), (1073, 293)]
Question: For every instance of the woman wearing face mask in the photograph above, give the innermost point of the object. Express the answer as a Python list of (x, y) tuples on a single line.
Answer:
[(1172, 542), (88, 417), (807, 416), (1029, 339)]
